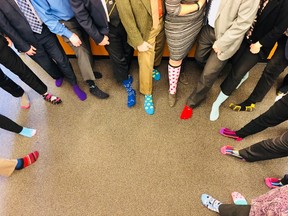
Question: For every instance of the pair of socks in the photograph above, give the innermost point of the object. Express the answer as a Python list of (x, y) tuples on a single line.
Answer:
[(27, 160), (173, 74), (131, 99), (28, 132)]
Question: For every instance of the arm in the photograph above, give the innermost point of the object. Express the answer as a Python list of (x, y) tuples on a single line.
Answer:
[(85, 20), (6, 28), (129, 22), (175, 8), (241, 24)]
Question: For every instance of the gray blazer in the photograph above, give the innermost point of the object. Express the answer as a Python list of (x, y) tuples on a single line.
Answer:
[(233, 20)]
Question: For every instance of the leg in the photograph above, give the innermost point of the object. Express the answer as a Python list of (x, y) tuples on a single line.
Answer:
[(7, 166), (232, 209), (266, 149), (272, 117), (10, 86)]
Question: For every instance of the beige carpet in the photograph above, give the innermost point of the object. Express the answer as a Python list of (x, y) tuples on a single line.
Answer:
[(98, 157)]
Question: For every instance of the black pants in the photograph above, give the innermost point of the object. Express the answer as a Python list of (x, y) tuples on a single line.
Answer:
[(242, 62), (275, 115), (120, 52), (267, 149), (51, 56), (273, 69), (234, 210), (13, 62), (8, 124)]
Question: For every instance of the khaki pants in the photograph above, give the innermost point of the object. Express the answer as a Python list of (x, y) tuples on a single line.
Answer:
[(7, 166), (150, 58)]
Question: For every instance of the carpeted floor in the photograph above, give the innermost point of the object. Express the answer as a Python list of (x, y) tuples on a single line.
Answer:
[(99, 157)]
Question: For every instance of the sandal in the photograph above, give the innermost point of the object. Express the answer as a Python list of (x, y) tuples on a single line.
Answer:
[(51, 98)]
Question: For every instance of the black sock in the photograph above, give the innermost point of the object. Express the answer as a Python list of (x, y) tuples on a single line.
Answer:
[(247, 102), (91, 83)]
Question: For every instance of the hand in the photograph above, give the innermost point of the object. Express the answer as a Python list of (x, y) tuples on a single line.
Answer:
[(144, 47), (31, 51), (75, 40), (216, 49), (255, 48), (10, 43), (105, 41)]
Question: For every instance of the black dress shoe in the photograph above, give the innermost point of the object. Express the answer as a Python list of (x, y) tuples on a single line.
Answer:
[(98, 92), (97, 75)]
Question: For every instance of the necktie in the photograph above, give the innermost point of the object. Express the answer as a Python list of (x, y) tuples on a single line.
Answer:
[(112, 12), (207, 9), (32, 19), (155, 13)]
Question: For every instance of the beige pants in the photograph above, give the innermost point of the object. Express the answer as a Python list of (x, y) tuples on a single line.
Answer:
[(150, 58), (7, 166)]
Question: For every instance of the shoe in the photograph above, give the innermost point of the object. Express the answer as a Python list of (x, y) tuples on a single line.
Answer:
[(183, 78), (156, 74), (97, 75), (98, 92), (171, 99), (148, 105), (273, 182)]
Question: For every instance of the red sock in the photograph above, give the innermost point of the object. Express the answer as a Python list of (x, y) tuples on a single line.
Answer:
[(30, 158), (186, 113)]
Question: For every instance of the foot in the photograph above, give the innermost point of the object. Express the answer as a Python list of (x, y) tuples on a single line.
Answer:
[(25, 102), (51, 98), (243, 79), (28, 132), (186, 113), (27, 160), (59, 82), (172, 99), (273, 182), (229, 150), (247, 106), (183, 78), (229, 133), (80, 94), (97, 75), (214, 115), (131, 100), (238, 199), (98, 92), (211, 203), (156, 74), (148, 105)]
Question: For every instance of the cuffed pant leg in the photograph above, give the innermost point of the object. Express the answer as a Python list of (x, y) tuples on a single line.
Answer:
[(7, 166)]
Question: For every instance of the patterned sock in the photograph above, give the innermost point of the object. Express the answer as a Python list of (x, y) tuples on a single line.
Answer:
[(131, 100), (210, 202), (173, 73), (238, 198), (230, 150), (27, 160), (28, 132)]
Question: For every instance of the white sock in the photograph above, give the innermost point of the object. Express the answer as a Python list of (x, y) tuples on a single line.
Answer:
[(214, 115), (243, 79)]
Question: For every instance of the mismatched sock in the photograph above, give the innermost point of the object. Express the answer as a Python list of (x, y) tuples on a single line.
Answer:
[(28, 132), (27, 160)]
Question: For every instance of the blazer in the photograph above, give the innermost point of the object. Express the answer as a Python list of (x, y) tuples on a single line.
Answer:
[(136, 18), (271, 25), (14, 24), (92, 17), (233, 19)]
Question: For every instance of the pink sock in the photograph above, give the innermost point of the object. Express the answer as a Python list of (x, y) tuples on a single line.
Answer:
[(173, 73)]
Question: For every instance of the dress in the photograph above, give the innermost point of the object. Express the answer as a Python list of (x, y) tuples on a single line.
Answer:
[(181, 31)]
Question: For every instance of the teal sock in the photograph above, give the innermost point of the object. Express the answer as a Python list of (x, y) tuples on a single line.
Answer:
[(28, 132)]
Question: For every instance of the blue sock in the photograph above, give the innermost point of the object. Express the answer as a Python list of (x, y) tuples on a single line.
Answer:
[(131, 100), (28, 132), (20, 164)]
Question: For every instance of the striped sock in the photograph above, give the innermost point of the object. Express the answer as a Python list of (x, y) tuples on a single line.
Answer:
[(27, 160)]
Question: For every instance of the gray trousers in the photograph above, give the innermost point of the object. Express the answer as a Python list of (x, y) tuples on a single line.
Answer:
[(83, 52), (234, 210), (205, 54), (267, 149)]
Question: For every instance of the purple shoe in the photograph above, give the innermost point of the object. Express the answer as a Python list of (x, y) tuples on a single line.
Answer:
[(80, 94), (59, 82)]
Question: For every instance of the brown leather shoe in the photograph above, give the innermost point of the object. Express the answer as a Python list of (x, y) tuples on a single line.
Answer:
[(172, 99)]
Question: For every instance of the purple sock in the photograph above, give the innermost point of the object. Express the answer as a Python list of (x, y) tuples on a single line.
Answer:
[(81, 94), (58, 82)]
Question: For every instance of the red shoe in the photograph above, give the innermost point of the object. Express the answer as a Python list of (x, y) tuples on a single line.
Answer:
[(186, 113)]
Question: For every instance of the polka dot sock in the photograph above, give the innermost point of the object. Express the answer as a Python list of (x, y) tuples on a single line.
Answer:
[(173, 73)]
